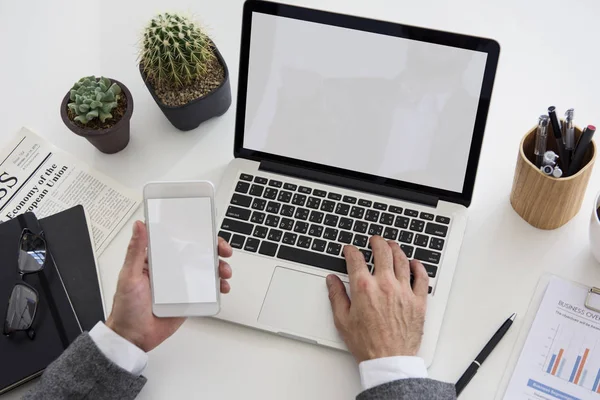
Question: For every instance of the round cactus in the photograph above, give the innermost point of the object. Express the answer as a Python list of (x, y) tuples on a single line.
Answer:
[(175, 51), (93, 98)]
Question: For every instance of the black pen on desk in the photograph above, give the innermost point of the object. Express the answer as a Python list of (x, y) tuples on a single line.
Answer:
[(556, 130), (582, 146), (487, 350)]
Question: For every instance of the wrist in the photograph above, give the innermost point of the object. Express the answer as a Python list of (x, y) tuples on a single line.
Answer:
[(124, 333)]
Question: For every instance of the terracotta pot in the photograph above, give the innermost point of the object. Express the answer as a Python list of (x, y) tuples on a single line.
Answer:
[(190, 115), (110, 140)]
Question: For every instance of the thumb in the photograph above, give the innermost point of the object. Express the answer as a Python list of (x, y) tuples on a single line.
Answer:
[(340, 303), (136, 251)]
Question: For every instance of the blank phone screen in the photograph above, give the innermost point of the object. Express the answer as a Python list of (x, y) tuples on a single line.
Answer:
[(182, 250)]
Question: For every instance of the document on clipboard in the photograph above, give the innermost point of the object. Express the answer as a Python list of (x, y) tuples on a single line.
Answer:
[(561, 355)]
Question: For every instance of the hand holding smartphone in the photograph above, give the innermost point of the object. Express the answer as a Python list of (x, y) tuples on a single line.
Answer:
[(182, 248)]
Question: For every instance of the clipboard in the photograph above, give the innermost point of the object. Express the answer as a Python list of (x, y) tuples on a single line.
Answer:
[(591, 302)]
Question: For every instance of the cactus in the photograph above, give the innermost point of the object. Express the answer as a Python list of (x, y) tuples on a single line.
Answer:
[(93, 98), (175, 51)]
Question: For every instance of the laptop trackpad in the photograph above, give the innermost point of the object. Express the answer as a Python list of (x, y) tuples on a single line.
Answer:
[(297, 303)]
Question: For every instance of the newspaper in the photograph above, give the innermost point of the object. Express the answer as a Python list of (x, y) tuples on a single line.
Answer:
[(37, 177)]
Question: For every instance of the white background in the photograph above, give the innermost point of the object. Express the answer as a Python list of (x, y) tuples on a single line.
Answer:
[(48, 45), (182, 250)]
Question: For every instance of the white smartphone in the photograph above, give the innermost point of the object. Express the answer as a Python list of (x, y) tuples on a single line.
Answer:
[(183, 257)]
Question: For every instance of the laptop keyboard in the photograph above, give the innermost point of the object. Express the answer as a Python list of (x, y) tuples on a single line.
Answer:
[(311, 226)]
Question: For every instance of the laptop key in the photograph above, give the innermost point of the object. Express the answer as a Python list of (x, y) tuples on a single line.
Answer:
[(242, 187), (390, 233), (302, 213), (360, 241), (319, 193), (372, 215), (261, 180), (331, 220), (273, 207), (299, 199), (275, 235), (327, 206), (311, 258), (411, 213), (246, 177), (301, 227), (258, 217), (334, 248), (422, 240), (426, 216), (401, 222), (375, 230), (380, 206), (225, 235), (366, 254), (257, 190), (442, 220), (259, 204), (284, 196), (238, 213), (334, 196), (395, 210), (315, 230), (342, 209), (357, 212), (241, 200), (272, 220), (275, 183), (268, 248), (431, 270), (345, 223), (428, 256), (330, 234), (345, 237), (318, 245), (436, 243), (270, 193), (360, 226), (304, 242), (406, 237), (305, 190), (365, 203), (260, 232), (289, 238), (237, 226), (237, 241), (387, 219), (287, 210), (417, 225), (436, 229), (408, 250), (252, 245), (287, 224), (290, 186), (313, 202), (350, 199), (316, 217)]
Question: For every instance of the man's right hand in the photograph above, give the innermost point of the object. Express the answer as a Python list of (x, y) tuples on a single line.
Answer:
[(386, 315)]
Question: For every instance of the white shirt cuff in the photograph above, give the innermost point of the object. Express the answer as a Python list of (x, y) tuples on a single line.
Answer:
[(388, 369), (119, 350)]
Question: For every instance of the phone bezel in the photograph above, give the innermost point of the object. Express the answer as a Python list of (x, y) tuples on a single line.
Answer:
[(184, 189)]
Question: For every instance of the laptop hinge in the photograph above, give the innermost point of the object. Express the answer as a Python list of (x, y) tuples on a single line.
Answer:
[(349, 183)]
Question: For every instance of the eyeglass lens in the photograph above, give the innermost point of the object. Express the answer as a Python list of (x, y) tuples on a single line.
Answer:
[(21, 308), (32, 252)]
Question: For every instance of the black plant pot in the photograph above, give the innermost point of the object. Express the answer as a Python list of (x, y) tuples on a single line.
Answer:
[(189, 116)]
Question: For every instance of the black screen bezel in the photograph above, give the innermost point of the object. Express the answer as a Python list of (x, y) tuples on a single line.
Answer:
[(489, 46)]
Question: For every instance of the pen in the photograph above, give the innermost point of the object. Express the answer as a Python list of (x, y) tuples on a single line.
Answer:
[(569, 132), (581, 149), (563, 159), (540, 140), (472, 370)]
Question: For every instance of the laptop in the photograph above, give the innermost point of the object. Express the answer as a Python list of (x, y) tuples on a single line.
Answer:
[(346, 128)]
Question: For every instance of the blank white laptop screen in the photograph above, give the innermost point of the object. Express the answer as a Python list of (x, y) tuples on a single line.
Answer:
[(366, 102)]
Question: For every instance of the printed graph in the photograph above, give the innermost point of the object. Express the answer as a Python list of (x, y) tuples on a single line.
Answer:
[(573, 358)]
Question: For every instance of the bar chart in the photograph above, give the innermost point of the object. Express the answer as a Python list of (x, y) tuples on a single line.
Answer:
[(574, 358)]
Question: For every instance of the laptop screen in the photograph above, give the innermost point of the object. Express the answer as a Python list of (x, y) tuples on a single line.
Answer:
[(366, 102)]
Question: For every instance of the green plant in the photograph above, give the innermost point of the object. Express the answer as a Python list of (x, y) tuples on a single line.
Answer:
[(175, 51), (93, 98)]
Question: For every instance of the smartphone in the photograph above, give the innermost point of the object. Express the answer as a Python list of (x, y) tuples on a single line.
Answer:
[(183, 258)]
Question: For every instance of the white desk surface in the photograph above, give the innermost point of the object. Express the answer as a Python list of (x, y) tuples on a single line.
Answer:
[(47, 45)]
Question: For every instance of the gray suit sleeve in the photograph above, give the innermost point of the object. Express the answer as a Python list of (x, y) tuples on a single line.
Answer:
[(410, 389), (83, 372)]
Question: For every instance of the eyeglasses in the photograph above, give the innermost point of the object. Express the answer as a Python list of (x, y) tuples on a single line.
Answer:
[(24, 299)]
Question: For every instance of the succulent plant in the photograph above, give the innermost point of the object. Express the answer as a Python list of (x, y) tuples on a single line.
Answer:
[(93, 98), (175, 51)]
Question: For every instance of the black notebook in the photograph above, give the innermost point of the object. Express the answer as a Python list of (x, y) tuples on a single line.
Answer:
[(72, 260)]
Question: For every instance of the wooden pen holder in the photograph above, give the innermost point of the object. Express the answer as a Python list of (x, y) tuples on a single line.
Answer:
[(543, 201)]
